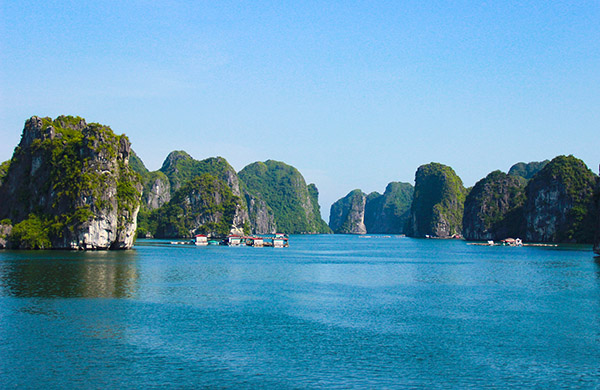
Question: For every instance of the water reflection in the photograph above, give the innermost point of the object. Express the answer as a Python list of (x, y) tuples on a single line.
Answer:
[(47, 274)]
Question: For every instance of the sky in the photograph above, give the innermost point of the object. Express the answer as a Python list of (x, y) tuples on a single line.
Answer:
[(355, 94)]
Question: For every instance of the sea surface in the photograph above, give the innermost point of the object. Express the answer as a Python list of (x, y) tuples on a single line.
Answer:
[(330, 311)]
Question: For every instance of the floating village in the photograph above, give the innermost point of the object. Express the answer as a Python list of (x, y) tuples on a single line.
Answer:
[(510, 242), (279, 240)]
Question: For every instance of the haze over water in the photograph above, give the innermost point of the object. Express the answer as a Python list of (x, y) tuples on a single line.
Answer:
[(328, 312)]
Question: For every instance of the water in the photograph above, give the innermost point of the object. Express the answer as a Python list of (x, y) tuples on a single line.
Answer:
[(327, 312)]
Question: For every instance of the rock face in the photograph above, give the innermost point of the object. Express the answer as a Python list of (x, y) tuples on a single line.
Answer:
[(69, 185), (204, 205), (438, 202), (493, 208), (157, 188), (358, 213), (5, 231), (347, 215), (163, 199), (278, 191), (527, 170), (389, 213), (262, 220), (560, 205)]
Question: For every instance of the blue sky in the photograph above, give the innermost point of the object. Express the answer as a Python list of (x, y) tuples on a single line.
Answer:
[(354, 94)]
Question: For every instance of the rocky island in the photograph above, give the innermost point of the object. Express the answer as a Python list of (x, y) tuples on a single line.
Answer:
[(493, 208), (438, 202), (69, 186), (560, 203), (188, 196), (347, 215), (386, 213), (279, 199), (74, 185)]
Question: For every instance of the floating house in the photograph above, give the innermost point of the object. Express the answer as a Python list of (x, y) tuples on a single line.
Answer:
[(200, 240), (233, 240), (512, 242), (255, 241), (280, 241)]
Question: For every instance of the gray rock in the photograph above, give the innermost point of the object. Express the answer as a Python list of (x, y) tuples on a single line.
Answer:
[(559, 205), (261, 216), (347, 215), (75, 178), (5, 230), (438, 202)]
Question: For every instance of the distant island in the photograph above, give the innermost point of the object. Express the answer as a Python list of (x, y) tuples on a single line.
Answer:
[(553, 201), (74, 185)]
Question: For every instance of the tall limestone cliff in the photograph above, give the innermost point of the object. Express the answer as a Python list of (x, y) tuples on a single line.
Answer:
[(389, 213), (560, 205), (178, 169), (262, 217), (175, 189), (438, 202), (358, 213), (157, 188), (280, 200), (319, 224), (203, 205), (347, 215), (69, 185), (493, 208)]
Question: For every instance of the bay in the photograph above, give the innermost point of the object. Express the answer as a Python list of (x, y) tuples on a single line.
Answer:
[(330, 311)]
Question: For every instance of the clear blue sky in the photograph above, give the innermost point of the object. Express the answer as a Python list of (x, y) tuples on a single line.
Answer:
[(355, 94)]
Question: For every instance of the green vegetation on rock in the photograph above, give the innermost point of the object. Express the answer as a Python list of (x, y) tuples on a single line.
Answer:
[(3, 170), (527, 170), (560, 202), (347, 214), (60, 180), (178, 173), (180, 168), (389, 213), (136, 163), (285, 193), (493, 208), (203, 205), (31, 233), (320, 225), (438, 202)]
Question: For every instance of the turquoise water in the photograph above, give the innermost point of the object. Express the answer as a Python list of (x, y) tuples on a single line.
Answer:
[(327, 312)]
